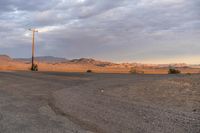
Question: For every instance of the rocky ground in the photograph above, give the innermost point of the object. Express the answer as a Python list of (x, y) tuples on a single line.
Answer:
[(102, 103)]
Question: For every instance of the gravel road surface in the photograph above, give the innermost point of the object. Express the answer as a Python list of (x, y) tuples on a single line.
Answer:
[(99, 103)]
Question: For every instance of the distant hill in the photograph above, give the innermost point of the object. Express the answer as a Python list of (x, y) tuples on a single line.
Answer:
[(5, 58), (91, 61), (47, 59), (51, 63)]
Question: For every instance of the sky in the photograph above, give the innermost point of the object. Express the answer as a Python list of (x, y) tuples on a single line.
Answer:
[(145, 31)]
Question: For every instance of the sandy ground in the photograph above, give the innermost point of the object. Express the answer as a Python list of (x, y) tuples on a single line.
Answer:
[(83, 67), (102, 103)]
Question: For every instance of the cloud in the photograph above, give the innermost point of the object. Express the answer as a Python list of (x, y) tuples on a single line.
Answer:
[(114, 30), (31, 5)]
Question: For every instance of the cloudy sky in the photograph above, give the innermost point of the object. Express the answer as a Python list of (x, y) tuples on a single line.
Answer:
[(148, 31)]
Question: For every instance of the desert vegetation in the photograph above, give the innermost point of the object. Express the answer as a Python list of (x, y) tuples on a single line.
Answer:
[(174, 71), (134, 70), (89, 71), (34, 67)]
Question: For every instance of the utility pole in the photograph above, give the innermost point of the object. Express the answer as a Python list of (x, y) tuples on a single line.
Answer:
[(33, 47)]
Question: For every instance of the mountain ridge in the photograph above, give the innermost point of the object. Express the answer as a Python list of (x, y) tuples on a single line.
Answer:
[(53, 59), (43, 59), (4, 57), (51, 63)]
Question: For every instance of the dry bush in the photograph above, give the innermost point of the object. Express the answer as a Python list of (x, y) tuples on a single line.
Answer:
[(34, 67), (174, 71), (89, 71), (135, 71)]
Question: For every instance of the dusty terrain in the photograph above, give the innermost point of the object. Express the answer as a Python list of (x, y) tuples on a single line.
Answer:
[(102, 103), (55, 64)]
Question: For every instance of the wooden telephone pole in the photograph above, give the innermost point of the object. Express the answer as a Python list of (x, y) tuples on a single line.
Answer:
[(33, 47)]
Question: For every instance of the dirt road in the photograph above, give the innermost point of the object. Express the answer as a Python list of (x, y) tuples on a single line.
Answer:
[(103, 103)]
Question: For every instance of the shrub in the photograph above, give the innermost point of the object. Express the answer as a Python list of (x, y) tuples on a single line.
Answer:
[(135, 71), (174, 71), (34, 67), (89, 71)]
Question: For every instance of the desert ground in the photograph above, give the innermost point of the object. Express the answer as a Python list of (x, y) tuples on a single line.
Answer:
[(56, 64), (96, 68), (53, 102)]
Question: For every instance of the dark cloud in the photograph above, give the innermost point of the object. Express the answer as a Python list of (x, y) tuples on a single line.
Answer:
[(137, 29), (30, 5)]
